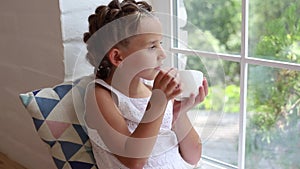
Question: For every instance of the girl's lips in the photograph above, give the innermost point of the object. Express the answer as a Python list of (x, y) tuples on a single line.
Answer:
[(158, 68)]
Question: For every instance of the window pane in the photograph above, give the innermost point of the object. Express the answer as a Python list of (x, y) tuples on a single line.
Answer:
[(273, 118), (274, 30), (213, 26), (217, 118)]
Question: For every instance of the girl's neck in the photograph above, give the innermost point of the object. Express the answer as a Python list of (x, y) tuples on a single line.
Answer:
[(137, 88)]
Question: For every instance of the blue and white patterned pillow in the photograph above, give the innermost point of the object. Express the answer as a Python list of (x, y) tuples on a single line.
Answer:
[(57, 115)]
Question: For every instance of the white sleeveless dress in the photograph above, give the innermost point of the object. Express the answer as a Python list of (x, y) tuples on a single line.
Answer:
[(165, 154)]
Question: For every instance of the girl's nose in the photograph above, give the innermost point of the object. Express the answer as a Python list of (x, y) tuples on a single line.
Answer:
[(162, 55)]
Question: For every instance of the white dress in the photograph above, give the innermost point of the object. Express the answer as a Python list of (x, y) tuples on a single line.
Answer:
[(165, 154)]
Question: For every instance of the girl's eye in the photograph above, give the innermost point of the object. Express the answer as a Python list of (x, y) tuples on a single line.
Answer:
[(155, 45)]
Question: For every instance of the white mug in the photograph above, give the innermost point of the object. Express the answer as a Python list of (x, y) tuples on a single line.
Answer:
[(190, 81)]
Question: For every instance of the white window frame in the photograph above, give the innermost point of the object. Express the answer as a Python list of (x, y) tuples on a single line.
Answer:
[(166, 6)]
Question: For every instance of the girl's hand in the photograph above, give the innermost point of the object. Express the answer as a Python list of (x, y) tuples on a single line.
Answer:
[(190, 102), (166, 82)]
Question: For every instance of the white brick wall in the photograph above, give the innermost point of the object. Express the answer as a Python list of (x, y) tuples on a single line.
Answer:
[(74, 15)]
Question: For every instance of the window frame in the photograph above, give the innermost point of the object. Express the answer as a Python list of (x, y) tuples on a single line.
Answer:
[(243, 59)]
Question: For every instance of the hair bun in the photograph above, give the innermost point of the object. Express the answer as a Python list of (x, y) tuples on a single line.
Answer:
[(115, 4), (92, 18), (86, 36), (115, 13), (99, 9), (144, 5)]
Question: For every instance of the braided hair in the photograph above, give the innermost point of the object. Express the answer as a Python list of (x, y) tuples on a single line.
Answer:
[(103, 16)]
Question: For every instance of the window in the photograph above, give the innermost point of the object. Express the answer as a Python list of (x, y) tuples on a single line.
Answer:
[(250, 52)]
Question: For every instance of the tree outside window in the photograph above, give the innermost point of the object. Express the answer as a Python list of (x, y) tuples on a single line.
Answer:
[(273, 109)]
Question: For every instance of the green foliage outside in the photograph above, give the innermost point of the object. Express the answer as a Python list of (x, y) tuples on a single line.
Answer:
[(205, 17), (273, 126), (275, 103)]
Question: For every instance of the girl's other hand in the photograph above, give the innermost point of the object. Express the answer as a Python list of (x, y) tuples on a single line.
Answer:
[(193, 100)]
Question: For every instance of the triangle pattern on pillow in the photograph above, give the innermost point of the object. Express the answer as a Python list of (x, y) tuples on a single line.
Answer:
[(81, 155), (57, 128), (59, 164), (64, 111), (68, 166), (90, 152), (62, 90), (69, 149), (50, 143), (26, 98), (81, 165), (81, 132), (45, 133), (46, 105), (37, 123), (70, 135), (36, 92), (57, 152)]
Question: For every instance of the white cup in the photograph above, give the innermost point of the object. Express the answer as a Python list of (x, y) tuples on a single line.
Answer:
[(190, 81)]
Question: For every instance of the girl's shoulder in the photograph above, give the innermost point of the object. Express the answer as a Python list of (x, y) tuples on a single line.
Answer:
[(99, 83), (99, 88), (102, 87), (106, 93)]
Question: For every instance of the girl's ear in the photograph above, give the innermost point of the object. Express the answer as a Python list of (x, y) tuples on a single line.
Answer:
[(115, 57)]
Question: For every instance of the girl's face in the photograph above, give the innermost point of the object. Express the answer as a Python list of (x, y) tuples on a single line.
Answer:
[(144, 52)]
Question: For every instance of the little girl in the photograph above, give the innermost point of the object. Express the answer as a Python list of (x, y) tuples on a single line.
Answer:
[(132, 124)]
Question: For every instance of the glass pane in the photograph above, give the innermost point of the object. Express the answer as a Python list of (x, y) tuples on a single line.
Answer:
[(213, 26), (217, 118), (274, 30), (273, 118)]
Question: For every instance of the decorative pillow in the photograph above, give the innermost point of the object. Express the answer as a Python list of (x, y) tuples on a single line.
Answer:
[(57, 115)]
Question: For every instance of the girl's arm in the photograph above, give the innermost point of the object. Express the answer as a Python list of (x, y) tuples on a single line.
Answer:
[(131, 149), (190, 145)]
